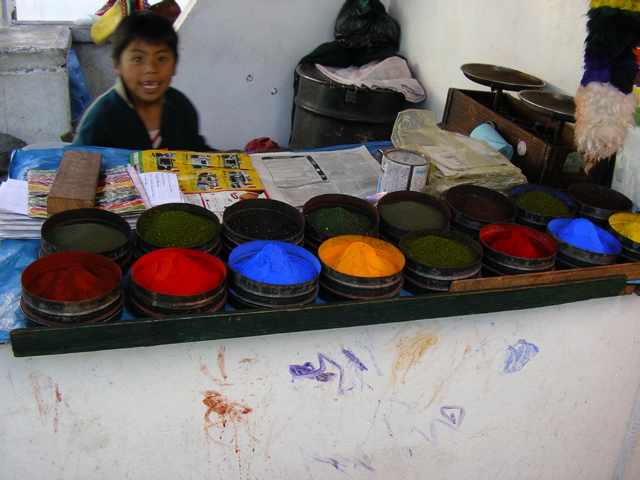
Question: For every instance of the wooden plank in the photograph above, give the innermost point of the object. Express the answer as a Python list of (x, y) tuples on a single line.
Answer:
[(630, 270), (244, 323), (74, 185)]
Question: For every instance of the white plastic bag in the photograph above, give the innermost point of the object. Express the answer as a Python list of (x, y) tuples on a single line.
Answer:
[(455, 159)]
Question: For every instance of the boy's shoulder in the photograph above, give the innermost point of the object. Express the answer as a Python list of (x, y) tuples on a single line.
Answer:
[(173, 92), (104, 104), (177, 98)]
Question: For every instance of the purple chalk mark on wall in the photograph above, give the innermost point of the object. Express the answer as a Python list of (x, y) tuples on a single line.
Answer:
[(352, 357), (386, 421), (333, 462), (432, 438), (365, 465), (325, 376), (341, 465), (373, 358), (453, 419), (519, 355), (307, 370), (453, 415), (359, 366)]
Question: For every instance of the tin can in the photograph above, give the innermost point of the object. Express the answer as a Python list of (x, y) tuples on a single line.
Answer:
[(403, 169)]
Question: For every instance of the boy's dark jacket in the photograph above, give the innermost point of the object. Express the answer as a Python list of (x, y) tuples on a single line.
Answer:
[(111, 121)]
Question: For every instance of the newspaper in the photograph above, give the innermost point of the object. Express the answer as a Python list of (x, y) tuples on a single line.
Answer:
[(217, 202), (201, 172), (295, 177), (210, 180)]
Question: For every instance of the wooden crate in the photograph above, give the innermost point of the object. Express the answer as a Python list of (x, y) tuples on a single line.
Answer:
[(541, 160)]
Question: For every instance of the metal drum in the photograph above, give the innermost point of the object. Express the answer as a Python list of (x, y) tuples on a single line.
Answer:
[(328, 113)]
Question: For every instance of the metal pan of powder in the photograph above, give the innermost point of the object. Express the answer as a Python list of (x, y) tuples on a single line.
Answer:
[(473, 206), (270, 273), (261, 219), (88, 230), (538, 205), (597, 202), (406, 211), (178, 225), (333, 214)]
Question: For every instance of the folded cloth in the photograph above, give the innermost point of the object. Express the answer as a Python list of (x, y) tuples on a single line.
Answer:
[(391, 73)]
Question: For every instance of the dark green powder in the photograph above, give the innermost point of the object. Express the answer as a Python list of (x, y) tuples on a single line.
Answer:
[(339, 221), (439, 252), (86, 237), (176, 228), (409, 215), (264, 224), (542, 203)]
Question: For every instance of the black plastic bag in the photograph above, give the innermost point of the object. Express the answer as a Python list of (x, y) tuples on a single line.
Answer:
[(366, 24)]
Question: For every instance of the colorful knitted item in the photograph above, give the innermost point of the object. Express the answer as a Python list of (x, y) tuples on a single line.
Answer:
[(105, 7), (605, 101)]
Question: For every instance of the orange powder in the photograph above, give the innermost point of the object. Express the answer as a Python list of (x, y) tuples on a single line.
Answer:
[(362, 260)]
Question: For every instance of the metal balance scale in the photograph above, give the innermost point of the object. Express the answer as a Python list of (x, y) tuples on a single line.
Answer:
[(533, 122), (556, 106)]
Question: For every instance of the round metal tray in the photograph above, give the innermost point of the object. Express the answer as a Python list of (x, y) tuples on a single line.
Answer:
[(500, 78), (554, 105)]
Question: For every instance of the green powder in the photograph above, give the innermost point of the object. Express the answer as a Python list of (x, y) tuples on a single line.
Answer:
[(339, 221), (439, 252), (86, 237), (542, 203), (176, 228), (409, 215)]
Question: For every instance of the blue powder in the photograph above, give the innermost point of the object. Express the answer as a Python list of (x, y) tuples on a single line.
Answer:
[(583, 234), (274, 265)]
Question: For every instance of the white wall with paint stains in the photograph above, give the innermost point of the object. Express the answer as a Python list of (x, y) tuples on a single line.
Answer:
[(548, 393), (545, 393)]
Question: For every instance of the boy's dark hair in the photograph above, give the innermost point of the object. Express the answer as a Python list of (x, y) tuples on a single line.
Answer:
[(147, 26)]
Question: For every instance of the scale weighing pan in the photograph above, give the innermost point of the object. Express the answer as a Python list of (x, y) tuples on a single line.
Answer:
[(500, 78), (555, 105)]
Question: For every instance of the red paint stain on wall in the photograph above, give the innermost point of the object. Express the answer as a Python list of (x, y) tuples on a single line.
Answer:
[(222, 412), (221, 365), (48, 397)]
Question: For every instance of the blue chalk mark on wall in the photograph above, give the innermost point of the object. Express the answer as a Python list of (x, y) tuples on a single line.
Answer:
[(518, 356)]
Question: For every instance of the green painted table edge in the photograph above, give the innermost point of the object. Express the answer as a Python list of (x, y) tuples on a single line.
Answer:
[(146, 332)]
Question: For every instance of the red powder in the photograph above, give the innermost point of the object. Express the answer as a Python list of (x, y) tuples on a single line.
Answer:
[(516, 242), (177, 272), (72, 283)]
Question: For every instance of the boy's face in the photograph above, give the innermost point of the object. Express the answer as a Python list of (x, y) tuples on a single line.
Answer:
[(146, 71)]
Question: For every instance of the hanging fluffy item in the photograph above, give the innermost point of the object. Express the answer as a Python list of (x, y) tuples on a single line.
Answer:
[(605, 102)]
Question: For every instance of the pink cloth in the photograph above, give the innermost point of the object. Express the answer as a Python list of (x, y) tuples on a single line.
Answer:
[(391, 73)]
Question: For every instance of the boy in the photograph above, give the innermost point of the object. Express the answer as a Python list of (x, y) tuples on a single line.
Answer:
[(142, 112)]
